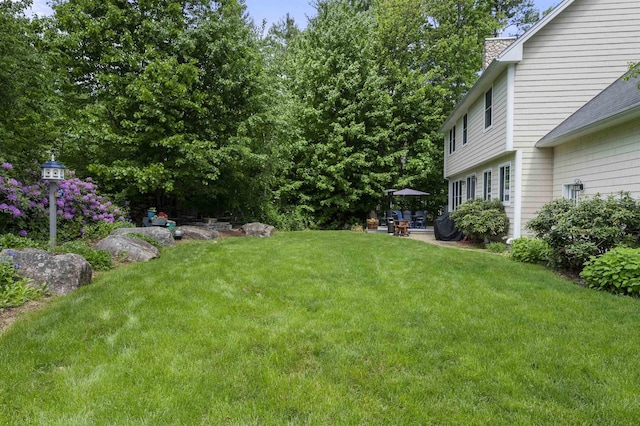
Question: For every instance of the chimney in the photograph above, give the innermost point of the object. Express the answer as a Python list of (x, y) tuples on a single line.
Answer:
[(493, 47)]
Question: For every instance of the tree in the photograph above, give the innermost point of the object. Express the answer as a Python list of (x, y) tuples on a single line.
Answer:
[(345, 160), (27, 108), (163, 94)]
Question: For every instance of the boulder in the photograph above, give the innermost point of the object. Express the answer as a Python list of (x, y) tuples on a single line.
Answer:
[(129, 249), (256, 229), (161, 235), (198, 233), (62, 273)]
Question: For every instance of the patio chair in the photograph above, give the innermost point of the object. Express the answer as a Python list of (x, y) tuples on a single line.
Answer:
[(420, 221), (406, 215)]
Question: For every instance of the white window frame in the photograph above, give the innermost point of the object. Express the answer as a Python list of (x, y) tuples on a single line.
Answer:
[(505, 184), (471, 187), (452, 140), (487, 190), (465, 128), (488, 109), (456, 193), (570, 192)]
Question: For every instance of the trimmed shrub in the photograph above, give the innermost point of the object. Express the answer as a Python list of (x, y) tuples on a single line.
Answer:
[(617, 271), (575, 232), (482, 220), (530, 250)]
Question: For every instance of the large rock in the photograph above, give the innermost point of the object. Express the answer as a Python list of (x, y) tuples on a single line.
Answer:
[(128, 249), (160, 234), (198, 233), (62, 273), (256, 229)]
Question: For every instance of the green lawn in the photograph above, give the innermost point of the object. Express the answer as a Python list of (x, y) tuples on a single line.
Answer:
[(324, 328)]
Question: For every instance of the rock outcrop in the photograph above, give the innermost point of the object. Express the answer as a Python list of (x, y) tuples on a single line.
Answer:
[(62, 273), (160, 234), (128, 248), (256, 229), (198, 233)]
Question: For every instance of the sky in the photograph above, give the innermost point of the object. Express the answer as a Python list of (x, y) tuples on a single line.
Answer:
[(274, 10)]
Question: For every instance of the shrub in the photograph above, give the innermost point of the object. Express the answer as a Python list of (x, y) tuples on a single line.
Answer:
[(148, 239), (530, 250), (14, 289), (17, 242), (496, 247), (481, 220), (100, 230), (24, 205), (617, 271), (100, 260), (575, 232)]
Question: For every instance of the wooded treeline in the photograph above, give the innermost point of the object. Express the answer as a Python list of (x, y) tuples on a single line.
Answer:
[(191, 106)]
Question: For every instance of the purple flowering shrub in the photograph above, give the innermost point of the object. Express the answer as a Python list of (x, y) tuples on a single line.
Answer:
[(24, 205)]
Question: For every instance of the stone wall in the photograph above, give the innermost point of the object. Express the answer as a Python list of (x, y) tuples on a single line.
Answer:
[(493, 47)]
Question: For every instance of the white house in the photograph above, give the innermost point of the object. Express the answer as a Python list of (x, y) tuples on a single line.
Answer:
[(548, 114)]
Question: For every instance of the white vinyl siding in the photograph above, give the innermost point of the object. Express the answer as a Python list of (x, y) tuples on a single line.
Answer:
[(606, 162), (484, 145)]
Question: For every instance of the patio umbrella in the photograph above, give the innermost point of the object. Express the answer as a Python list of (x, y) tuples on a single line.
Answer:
[(409, 191)]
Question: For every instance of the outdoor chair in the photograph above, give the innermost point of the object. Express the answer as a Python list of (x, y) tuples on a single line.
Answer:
[(420, 219), (401, 228), (406, 215)]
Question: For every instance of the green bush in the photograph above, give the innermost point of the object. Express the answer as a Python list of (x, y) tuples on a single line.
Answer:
[(100, 260), (148, 239), (575, 232), (481, 220), (15, 242), (496, 247), (530, 250), (14, 289), (617, 271), (100, 230)]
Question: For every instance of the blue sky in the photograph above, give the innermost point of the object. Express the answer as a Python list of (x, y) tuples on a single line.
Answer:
[(274, 10)]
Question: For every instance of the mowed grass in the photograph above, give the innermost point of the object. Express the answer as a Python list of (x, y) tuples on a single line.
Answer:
[(325, 328)]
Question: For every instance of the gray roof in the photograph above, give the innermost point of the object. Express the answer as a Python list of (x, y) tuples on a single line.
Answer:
[(616, 101)]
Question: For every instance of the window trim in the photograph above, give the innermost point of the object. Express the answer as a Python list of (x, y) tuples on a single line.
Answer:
[(488, 109), (487, 191), (570, 193), (465, 128), (504, 190), (472, 183), (456, 193), (452, 140)]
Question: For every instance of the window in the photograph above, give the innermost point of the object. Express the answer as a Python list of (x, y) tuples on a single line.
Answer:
[(570, 192), (486, 185), (464, 130), (456, 193), (452, 140), (488, 108), (471, 187), (505, 183)]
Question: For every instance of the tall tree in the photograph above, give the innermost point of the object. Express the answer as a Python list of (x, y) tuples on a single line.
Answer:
[(163, 94), (346, 160), (27, 107)]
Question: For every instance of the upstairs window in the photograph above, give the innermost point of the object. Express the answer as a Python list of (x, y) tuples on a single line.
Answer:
[(464, 130), (452, 140), (488, 108)]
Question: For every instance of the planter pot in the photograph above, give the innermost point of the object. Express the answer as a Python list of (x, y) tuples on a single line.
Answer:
[(151, 213), (159, 222)]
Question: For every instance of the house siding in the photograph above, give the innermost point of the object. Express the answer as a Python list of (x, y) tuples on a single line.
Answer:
[(483, 144), (606, 162), (568, 62), (478, 170)]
